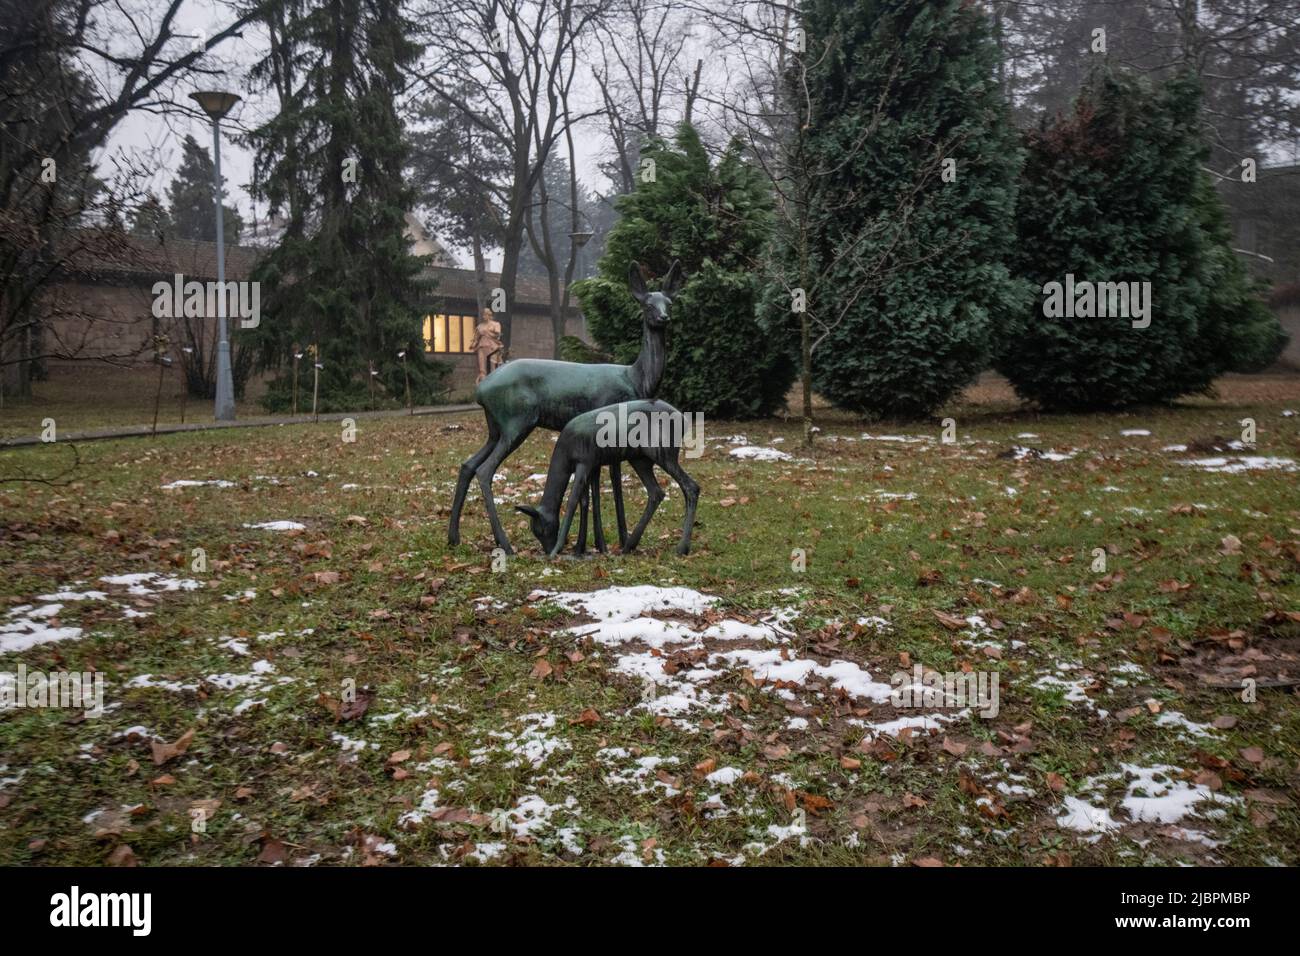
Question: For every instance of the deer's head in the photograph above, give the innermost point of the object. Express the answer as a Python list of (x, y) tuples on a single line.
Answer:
[(655, 305), (545, 529)]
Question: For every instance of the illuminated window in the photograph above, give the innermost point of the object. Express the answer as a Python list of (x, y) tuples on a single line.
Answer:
[(448, 333), (453, 338)]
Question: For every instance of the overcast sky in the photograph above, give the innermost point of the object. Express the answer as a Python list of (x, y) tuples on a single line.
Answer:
[(160, 136)]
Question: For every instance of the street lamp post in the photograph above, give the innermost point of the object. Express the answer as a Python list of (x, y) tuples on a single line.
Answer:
[(217, 105), (580, 238)]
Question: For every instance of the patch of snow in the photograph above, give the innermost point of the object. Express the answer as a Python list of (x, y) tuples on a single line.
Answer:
[(1167, 800), (1172, 718), (759, 453), (529, 746), (632, 854), (1082, 816), (532, 814), (772, 665), (483, 852), (1239, 464), (878, 624), (1020, 453), (428, 804), (351, 744), (144, 583), (904, 439), (923, 722), (725, 776), (26, 626), (618, 612), (73, 596)]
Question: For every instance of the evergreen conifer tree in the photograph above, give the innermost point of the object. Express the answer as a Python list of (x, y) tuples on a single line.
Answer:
[(902, 170), (343, 277), (190, 199), (715, 218), (1115, 192)]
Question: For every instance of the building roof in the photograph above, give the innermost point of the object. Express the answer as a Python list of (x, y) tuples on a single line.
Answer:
[(532, 293), (102, 255)]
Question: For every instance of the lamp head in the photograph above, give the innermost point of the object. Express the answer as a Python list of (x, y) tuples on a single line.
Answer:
[(214, 102)]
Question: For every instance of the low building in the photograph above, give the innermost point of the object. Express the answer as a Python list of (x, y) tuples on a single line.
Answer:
[(1285, 302), (449, 322), (101, 306), (1266, 230)]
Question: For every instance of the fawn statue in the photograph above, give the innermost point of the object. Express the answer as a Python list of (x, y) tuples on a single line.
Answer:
[(588, 442)]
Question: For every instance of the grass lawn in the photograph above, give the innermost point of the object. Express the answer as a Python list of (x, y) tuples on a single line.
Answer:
[(87, 396), (744, 718)]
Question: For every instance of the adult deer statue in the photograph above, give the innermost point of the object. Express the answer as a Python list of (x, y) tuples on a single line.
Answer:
[(529, 393)]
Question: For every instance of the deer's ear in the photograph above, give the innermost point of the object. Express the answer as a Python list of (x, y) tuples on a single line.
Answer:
[(674, 280), (636, 281), (527, 510)]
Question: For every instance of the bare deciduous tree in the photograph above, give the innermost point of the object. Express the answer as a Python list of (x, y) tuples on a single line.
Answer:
[(508, 66)]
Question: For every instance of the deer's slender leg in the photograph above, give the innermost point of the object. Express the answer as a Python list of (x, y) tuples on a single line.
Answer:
[(691, 492), (580, 546), (616, 479), (505, 447), (595, 510), (654, 495), (579, 489), (467, 469)]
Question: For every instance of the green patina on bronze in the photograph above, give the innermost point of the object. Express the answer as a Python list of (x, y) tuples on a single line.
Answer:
[(529, 393)]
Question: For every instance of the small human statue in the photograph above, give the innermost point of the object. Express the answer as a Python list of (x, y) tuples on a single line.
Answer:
[(487, 344)]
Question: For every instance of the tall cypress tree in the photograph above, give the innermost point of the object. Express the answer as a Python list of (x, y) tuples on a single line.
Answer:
[(1115, 192), (151, 219), (716, 219), (903, 171), (343, 277), (190, 198)]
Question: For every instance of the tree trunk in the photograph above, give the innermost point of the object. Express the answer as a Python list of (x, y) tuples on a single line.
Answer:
[(511, 243), (805, 375), (480, 276)]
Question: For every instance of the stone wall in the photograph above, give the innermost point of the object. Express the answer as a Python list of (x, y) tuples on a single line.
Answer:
[(99, 319), (1290, 319), (96, 321)]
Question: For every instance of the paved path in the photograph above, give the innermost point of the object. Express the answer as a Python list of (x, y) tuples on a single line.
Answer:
[(135, 431)]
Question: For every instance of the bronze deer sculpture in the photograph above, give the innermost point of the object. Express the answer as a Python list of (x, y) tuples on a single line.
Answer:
[(529, 393)]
